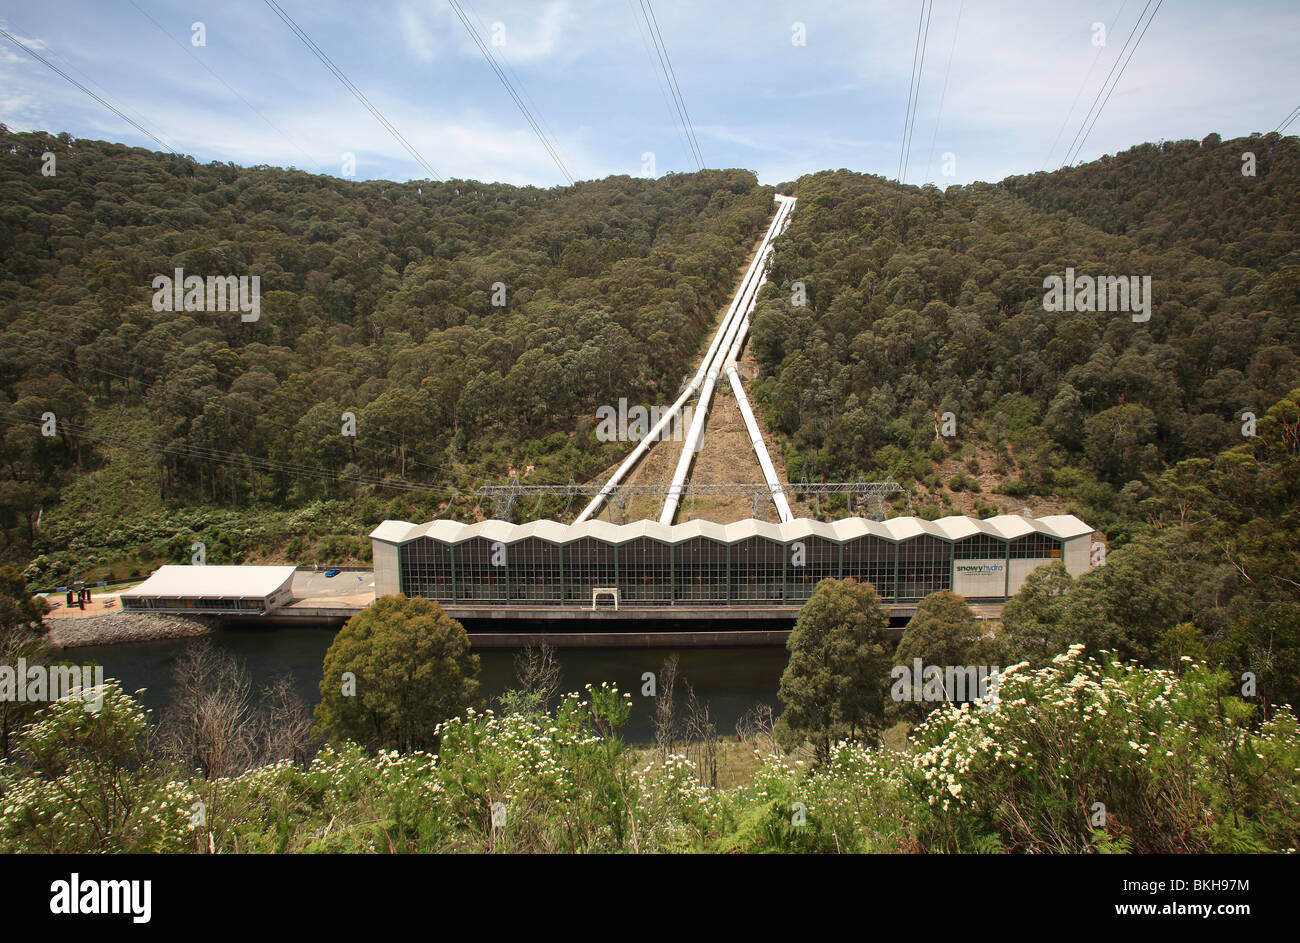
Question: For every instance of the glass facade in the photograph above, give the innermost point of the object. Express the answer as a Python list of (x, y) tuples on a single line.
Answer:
[(588, 565), (872, 560), (808, 562), (757, 571), (425, 569), (924, 567), (699, 571), (979, 547), (481, 571), (1035, 546), (645, 572), (535, 571)]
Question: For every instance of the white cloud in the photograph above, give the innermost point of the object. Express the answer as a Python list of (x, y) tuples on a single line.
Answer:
[(756, 100), (418, 32)]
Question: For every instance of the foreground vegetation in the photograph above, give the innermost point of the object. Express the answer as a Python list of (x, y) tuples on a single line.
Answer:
[(1081, 755)]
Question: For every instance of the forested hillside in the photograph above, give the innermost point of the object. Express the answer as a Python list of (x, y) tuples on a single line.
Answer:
[(921, 303), (377, 299), (1233, 201)]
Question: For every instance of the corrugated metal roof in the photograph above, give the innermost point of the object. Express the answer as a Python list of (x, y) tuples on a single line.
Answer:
[(553, 531), (597, 530), (743, 530), (1065, 526), (957, 527), (692, 529), (394, 532), (229, 582), (646, 528), (802, 527), (1010, 526)]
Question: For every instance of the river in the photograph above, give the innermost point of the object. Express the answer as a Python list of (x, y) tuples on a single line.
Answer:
[(729, 680)]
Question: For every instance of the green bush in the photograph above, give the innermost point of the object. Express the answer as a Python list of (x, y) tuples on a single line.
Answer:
[(1081, 755)]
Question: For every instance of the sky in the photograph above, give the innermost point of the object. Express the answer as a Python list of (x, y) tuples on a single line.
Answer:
[(1004, 86)]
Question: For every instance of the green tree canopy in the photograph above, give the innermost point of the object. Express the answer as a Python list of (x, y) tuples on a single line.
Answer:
[(1032, 630), (943, 633), (834, 684), (395, 671)]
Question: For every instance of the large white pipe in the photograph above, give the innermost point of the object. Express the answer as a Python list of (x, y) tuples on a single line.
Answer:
[(755, 434), (743, 303), (760, 450), (711, 355), (751, 424), (745, 300)]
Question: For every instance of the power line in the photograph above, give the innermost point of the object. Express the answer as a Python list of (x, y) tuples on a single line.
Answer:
[(523, 89), (199, 59), (1115, 85), (115, 110), (1286, 122), (690, 125), (509, 87), (907, 116), (665, 63), (356, 92), (929, 161), (1082, 85), (663, 90), (1114, 65), (920, 71)]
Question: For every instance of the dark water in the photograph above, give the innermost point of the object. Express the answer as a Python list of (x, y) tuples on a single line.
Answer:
[(730, 680)]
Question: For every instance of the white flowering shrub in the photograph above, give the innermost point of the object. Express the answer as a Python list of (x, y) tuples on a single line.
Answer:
[(1089, 754), (499, 783), (674, 811), (849, 804), (82, 781), (347, 800), (1081, 755)]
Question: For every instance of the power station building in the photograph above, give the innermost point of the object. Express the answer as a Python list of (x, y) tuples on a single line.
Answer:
[(699, 563)]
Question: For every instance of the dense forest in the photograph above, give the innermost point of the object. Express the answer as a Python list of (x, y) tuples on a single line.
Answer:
[(921, 302), (471, 330), (1232, 201)]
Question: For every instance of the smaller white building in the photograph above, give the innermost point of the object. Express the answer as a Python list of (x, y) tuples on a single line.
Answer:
[(251, 590)]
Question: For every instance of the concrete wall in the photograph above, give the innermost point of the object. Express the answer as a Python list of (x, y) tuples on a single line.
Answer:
[(1020, 570), (1075, 553), (980, 579), (387, 578)]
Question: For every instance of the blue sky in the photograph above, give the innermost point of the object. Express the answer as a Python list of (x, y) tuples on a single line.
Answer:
[(1013, 72)]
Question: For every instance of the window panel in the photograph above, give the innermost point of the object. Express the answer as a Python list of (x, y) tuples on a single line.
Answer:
[(756, 571), (871, 560), (701, 571), (924, 567)]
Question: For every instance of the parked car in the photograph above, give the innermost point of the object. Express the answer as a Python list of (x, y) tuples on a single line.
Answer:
[(334, 572)]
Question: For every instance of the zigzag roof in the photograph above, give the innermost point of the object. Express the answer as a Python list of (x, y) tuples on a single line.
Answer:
[(896, 530)]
